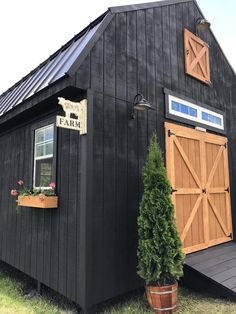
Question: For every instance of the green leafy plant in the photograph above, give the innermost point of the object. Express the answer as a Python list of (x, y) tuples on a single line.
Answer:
[(160, 257), (24, 191)]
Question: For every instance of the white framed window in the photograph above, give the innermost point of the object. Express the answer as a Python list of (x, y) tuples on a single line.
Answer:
[(43, 157), (190, 111)]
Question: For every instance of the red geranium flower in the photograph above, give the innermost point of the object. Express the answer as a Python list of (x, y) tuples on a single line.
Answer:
[(52, 185), (14, 193), (20, 182)]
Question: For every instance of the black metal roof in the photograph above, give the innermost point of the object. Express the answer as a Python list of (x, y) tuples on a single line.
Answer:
[(54, 68)]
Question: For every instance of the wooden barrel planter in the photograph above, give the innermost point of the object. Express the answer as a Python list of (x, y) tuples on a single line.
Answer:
[(162, 299)]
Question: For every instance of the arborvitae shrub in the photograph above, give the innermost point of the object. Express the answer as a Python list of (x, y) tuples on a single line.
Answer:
[(160, 258)]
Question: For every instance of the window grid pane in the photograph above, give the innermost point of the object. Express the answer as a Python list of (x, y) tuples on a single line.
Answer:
[(184, 109), (43, 157), (211, 118), (43, 172)]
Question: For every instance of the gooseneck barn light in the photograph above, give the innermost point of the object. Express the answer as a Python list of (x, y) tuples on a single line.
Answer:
[(201, 25), (140, 104)]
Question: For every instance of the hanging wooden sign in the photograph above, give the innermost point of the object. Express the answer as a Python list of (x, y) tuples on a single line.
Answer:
[(79, 110)]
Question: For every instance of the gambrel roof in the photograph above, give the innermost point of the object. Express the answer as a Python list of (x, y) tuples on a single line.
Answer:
[(66, 60)]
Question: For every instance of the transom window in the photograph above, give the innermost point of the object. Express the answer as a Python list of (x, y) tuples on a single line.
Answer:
[(43, 157), (176, 106), (190, 111), (211, 118)]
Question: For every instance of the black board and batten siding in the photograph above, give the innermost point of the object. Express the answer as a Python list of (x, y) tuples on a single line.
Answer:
[(86, 249), (41, 243), (140, 51)]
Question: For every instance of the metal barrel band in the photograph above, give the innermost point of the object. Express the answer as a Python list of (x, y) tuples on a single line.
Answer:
[(165, 309), (163, 292)]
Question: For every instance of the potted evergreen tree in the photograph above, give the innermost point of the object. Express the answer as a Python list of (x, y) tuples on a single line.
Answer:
[(160, 257)]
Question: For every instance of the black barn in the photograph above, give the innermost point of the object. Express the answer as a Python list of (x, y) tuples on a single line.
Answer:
[(86, 248)]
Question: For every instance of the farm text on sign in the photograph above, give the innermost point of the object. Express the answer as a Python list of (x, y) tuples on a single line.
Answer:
[(78, 109)]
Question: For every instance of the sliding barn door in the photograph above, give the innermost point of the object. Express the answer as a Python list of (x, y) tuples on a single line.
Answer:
[(197, 166)]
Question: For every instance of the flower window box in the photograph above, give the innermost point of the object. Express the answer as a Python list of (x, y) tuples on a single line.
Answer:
[(38, 201), (36, 197)]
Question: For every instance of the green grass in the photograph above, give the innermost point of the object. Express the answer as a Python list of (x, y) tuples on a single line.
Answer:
[(189, 303), (12, 301)]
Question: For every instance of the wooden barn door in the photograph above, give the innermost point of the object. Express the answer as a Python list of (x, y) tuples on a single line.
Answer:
[(197, 166)]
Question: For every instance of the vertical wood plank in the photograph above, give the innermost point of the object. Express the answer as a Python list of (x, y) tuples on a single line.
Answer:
[(173, 48), (121, 117), (132, 150), (204, 180), (63, 190), (72, 214), (166, 46)]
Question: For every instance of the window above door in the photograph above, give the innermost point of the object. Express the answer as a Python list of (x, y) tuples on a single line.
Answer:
[(186, 110)]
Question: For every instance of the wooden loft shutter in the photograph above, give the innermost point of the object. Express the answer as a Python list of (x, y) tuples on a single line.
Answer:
[(196, 57)]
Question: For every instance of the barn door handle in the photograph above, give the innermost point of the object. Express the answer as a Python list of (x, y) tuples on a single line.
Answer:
[(204, 191), (173, 190)]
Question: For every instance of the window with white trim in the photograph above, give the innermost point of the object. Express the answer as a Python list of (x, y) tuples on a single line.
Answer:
[(190, 111), (43, 156)]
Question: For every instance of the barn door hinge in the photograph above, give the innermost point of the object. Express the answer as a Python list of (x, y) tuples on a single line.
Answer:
[(173, 190), (227, 190), (170, 133)]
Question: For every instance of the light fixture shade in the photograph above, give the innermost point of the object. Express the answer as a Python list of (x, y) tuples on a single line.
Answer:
[(202, 24), (140, 103)]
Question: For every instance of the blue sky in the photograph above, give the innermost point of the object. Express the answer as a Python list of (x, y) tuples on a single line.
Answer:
[(221, 15), (33, 30)]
